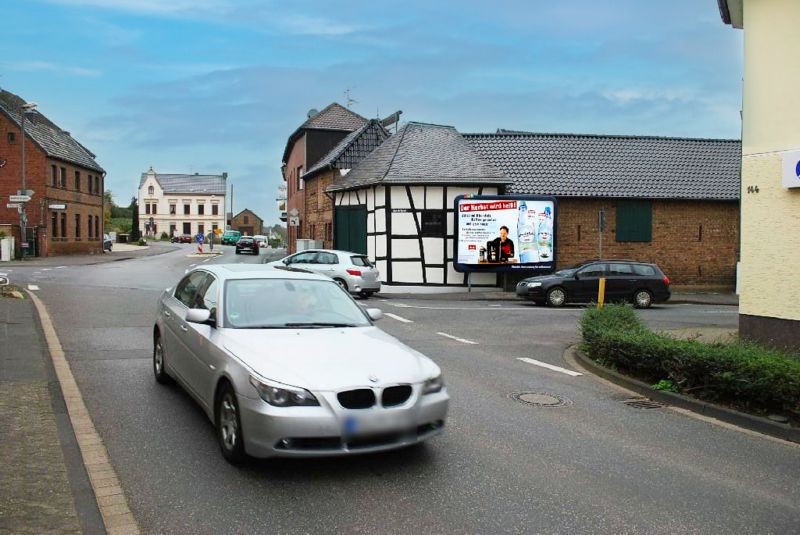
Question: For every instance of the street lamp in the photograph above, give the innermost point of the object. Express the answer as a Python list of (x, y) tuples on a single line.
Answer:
[(28, 107)]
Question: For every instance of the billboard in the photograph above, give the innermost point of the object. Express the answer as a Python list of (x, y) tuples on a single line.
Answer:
[(505, 233)]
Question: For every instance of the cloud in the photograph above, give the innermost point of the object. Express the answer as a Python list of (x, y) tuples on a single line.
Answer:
[(32, 66), (319, 26), (150, 7)]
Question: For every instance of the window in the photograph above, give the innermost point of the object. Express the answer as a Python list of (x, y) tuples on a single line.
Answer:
[(201, 209), (77, 226), (147, 208), (171, 209), (214, 227), (644, 271), (301, 184), (154, 209), (63, 225), (186, 208), (89, 226), (593, 270), (97, 185), (12, 137), (54, 175), (63, 182), (186, 290), (53, 224), (187, 228), (327, 258), (620, 270), (303, 258), (172, 229), (360, 261), (214, 209), (151, 191), (208, 295), (77, 180), (201, 229), (433, 223), (634, 221), (97, 227), (246, 220)]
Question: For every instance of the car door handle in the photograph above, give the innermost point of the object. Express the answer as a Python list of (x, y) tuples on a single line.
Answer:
[(184, 328), (167, 314)]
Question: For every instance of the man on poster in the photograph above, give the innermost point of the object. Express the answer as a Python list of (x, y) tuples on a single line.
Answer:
[(502, 246)]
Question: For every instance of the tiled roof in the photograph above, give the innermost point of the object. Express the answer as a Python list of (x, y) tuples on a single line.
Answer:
[(422, 153), (333, 117), (352, 149), (614, 166), (56, 143), (249, 211), (195, 184)]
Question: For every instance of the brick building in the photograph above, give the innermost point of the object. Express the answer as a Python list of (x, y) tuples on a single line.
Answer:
[(65, 214), (672, 201), (307, 145), (248, 223)]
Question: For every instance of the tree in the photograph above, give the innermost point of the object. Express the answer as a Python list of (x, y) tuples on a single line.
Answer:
[(134, 207), (108, 203)]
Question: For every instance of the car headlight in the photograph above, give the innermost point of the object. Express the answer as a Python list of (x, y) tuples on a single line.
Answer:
[(533, 284), (431, 386), (281, 395)]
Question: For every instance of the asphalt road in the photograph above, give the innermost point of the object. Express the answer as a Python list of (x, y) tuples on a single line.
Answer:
[(595, 465)]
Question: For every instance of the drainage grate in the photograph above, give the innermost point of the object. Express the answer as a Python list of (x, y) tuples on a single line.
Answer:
[(540, 399), (642, 403)]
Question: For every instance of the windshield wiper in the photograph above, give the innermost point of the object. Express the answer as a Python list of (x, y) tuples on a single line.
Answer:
[(317, 325)]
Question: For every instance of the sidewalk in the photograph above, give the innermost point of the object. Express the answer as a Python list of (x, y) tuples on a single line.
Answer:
[(122, 251), (44, 484)]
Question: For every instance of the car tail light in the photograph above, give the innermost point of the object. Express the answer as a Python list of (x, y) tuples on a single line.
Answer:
[(354, 272), (666, 280)]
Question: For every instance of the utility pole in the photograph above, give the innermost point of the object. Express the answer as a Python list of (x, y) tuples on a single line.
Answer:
[(601, 225)]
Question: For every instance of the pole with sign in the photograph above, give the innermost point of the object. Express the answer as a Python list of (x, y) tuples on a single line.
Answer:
[(601, 226)]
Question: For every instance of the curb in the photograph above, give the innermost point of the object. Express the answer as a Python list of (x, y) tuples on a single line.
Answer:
[(703, 408)]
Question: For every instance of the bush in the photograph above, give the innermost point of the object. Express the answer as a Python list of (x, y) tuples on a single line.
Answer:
[(740, 374), (142, 241), (164, 236)]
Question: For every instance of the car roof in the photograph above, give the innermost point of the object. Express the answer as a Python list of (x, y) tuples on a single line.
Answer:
[(258, 271), (335, 251)]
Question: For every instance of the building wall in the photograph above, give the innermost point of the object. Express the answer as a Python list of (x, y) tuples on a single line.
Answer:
[(164, 220), (295, 195), (694, 242), (769, 288), (38, 178), (251, 227), (318, 208)]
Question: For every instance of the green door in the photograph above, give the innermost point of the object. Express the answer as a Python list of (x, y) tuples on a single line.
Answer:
[(350, 226)]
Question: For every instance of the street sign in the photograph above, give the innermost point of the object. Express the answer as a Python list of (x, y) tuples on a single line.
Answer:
[(19, 198), (294, 221), (294, 212), (61, 206), (12, 205), (24, 245)]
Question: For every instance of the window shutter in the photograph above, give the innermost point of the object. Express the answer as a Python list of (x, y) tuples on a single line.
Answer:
[(634, 221)]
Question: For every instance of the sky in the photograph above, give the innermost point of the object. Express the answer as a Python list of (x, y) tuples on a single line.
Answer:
[(212, 86)]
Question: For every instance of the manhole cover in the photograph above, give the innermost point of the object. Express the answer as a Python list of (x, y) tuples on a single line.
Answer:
[(642, 403), (541, 399)]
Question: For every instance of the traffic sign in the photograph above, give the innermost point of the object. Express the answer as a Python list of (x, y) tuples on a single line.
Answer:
[(294, 221), (61, 206), (19, 198), (13, 205)]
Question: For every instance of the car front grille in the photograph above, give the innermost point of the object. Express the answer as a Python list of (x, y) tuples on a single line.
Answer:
[(395, 395), (361, 398)]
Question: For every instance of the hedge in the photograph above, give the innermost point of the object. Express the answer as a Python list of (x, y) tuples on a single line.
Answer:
[(740, 374)]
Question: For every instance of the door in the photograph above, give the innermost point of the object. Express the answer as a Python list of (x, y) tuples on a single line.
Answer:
[(350, 226), (586, 283), (620, 282), (327, 264), (204, 361), (304, 260), (177, 351)]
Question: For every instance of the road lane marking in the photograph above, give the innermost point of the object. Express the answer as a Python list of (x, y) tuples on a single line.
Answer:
[(46, 269), (33, 287), (396, 317), (549, 366), (457, 339), (60, 267), (117, 517)]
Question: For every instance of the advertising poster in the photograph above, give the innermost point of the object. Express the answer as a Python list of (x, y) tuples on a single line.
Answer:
[(505, 233)]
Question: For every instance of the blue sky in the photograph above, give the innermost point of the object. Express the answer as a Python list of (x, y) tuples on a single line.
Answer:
[(218, 85)]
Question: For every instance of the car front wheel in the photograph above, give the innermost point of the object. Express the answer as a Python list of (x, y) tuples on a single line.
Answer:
[(642, 299), (556, 297), (229, 425)]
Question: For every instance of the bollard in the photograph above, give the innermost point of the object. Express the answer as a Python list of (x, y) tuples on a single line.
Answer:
[(601, 292)]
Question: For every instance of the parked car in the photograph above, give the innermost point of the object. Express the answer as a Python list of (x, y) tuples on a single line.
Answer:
[(260, 240), (230, 237), (637, 282), (343, 387), (182, 238), (352, 271), (107, 244), (246, 243)]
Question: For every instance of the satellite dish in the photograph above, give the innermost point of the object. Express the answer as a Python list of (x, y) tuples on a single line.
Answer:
[(312, 112)]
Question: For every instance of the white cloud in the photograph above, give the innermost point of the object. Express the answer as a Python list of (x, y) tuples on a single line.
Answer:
[(306, 25), (31, 66), (152, 7)]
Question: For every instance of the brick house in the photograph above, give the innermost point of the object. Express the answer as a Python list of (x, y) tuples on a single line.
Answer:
[(248, 223), (672, 201), (65, 215), (307, 145)]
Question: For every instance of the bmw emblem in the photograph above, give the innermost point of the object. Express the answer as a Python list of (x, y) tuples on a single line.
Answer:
[(373, 378)]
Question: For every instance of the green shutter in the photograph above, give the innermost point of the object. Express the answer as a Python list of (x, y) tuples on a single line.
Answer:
[(350, 227), (634, 221)]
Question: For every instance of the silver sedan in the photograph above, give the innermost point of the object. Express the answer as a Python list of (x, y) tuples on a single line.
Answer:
[(287, 364)]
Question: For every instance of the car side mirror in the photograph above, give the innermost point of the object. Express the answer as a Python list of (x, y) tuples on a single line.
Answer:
[(198, 315), (375, 314), (285, 261), (577, 275)]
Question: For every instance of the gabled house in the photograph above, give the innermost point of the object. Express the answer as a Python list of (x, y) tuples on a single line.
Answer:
[(65, 213), (397, 204), (306, 146), (248, 223), (672, 201)]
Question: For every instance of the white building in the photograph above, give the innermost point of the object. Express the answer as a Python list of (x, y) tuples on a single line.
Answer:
[(181, 204)]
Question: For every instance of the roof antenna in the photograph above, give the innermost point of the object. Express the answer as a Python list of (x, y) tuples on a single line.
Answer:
[(350, 101)]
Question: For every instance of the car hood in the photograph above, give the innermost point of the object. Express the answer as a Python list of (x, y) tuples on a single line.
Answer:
[(328, 359), (542, 278)]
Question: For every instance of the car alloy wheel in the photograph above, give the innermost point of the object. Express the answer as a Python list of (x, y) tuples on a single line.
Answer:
[(341, 283), (229, 425), (158, 361), (556, 297), (642, 299)]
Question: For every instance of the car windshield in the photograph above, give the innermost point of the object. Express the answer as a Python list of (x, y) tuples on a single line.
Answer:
[(289, 304)]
